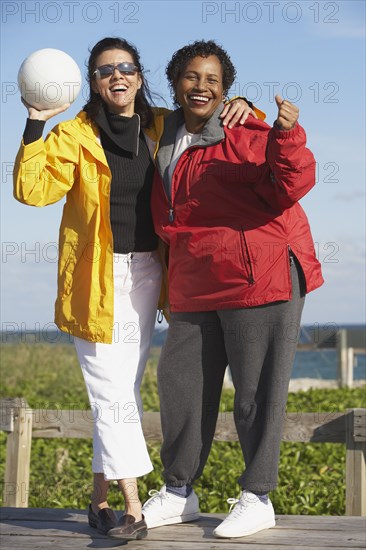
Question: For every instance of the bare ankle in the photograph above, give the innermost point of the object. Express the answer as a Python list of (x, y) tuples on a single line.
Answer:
[(135, 511), (97, 506)]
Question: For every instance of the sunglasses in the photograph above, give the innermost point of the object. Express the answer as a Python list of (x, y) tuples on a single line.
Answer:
[(125, 68)]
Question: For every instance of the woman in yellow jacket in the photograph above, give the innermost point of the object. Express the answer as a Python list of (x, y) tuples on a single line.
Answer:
[(109, 273)]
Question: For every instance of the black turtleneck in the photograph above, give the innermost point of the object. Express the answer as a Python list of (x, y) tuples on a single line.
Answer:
[(132, 172)]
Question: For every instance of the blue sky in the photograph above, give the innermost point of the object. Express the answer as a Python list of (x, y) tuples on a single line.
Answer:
[(310, 52)]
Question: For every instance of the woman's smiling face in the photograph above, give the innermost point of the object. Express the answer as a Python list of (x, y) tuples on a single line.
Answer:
[(199, 90), (118, 90)]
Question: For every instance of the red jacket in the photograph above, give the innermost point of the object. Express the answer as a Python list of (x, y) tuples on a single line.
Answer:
[(231, 214)]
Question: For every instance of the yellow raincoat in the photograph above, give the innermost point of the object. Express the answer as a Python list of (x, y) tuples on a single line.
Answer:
[(71, 162)]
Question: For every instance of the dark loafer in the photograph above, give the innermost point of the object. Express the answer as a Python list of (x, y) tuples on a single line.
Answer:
[(129, 529), (103, 521)]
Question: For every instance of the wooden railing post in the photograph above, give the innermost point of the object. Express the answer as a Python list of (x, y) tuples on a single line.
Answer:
[(18, 450), (355, 462)]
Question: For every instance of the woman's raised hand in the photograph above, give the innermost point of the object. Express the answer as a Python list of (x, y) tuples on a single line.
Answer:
[(288, 114), (34, 114)]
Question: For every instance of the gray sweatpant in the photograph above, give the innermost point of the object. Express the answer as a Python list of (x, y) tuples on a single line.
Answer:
[(259, 344)]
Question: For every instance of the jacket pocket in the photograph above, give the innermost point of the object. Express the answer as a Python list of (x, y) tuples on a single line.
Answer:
[(182, 213), (69, 252), (247, 257)]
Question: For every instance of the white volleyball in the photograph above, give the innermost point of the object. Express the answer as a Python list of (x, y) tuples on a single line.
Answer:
[(48, 78)]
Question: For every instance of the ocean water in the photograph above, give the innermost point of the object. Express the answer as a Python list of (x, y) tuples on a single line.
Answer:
[(322, 364)]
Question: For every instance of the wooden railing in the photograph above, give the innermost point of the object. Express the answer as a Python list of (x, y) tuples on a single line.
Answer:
[(22, 424)]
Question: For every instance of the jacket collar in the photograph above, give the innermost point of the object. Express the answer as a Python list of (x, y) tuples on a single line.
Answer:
[(123, 131), (86, 132), (213, 132)]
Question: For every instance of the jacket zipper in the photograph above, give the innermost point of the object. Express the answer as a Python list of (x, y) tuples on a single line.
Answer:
[(247, 258), (171, 207), (170, 200)]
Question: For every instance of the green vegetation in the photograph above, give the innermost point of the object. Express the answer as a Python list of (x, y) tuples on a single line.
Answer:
[(48, 376)]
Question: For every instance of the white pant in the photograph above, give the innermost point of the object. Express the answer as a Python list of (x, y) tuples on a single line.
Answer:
[(113, 372)]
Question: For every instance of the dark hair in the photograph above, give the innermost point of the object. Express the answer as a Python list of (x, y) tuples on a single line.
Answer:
[(143, 97), (200, 48)]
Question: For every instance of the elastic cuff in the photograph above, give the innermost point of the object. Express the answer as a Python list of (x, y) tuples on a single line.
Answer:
[(285, 134), (183, 491), (33, 130)]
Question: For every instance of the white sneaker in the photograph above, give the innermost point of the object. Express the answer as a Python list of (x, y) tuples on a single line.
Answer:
[(248, 516), (164, 508)]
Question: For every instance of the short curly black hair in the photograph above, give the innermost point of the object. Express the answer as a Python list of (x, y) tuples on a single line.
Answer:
[(199, 48)]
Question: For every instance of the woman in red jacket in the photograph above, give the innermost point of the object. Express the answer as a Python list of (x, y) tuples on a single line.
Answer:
[(241, 258)]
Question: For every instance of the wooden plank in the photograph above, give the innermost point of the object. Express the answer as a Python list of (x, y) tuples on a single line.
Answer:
[(53, 423), (302, 427), (59, 530), (45, 515), (359, 416), (9, 542), (42, 514), (151, 426), (332, 523), (195, 533), (355, 471), (315, 427), (18, 449), (39, 543), (7, 407)]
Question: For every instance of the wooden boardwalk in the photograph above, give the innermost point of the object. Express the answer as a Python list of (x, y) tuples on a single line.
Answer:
[(60, 529)]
